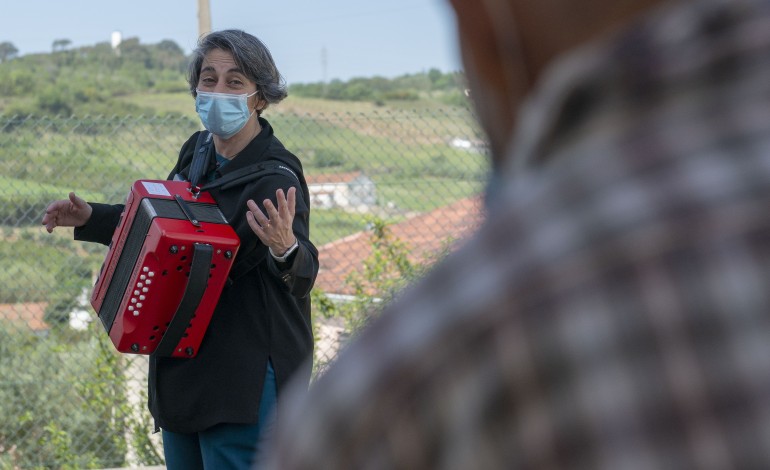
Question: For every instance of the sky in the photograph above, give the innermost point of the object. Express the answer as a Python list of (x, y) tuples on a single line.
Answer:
[(311, 40)]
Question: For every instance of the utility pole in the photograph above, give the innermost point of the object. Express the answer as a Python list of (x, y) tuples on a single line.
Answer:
[(204, 18)]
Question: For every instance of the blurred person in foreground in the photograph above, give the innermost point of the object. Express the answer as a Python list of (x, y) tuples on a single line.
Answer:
[(612, 311), (215, 409)]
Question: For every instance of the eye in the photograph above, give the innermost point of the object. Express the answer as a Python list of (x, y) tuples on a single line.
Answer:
[(208, 81)]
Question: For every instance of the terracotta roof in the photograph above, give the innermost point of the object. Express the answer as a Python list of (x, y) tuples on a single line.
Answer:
[(425, 234), (30, 315)]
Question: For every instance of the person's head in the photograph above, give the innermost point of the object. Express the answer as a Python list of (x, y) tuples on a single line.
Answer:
[(250, 59), (506, 44)]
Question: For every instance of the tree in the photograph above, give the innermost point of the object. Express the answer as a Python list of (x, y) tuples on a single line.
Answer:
[(434, 75), (170, 46), (7, 51), (61, 44)]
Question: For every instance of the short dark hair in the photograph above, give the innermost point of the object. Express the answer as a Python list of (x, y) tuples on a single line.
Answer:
[(250, 55)]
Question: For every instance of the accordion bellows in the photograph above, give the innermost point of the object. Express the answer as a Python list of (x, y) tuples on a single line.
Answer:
[(165, 269)]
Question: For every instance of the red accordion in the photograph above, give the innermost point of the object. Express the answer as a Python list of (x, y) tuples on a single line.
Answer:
[(167, 264)]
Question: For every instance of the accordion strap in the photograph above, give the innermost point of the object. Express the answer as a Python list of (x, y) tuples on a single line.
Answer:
[(200, 159), (193, 292)]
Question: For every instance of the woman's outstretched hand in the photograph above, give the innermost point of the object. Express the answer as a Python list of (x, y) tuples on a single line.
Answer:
[(274, 229), (72, 212)]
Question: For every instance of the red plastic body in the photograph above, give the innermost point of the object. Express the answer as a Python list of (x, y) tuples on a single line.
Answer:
[(146, 269)]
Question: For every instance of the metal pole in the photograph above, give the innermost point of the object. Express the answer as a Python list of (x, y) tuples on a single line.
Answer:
[(204, 18)]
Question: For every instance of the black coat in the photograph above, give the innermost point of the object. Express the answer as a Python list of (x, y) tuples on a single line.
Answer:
[(263, 313)]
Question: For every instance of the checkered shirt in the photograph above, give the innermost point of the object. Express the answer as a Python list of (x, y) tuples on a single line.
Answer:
[(613, 312)]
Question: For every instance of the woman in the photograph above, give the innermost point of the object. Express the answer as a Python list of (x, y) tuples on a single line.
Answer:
[(213, 408)]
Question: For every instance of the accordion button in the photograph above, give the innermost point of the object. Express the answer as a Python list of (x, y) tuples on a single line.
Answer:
[(136, 313), (136, 292), (133, 300), (143, 277), (130, 307), (138, 305), (149, 282), (145, 269), (144, 289), (139, 284), (141, 297), (151, 273)]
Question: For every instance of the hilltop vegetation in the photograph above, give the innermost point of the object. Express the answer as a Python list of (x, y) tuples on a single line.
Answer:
[(98, 79), (88, 80), (444, 88)]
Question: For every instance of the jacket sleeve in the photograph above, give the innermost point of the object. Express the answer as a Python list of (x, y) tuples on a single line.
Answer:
[(298, 273), (102, 224)]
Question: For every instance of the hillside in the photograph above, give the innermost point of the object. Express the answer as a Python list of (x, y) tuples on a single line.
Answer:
[(150, 79), (94, 121)]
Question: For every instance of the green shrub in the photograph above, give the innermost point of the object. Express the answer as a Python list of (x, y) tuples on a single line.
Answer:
[(61, 404)]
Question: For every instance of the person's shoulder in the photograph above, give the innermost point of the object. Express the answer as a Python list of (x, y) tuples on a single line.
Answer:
[(190, 142), (276, 151), (186, 151)]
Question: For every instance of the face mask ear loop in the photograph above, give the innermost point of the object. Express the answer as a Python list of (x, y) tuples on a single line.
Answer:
[(259, 113)]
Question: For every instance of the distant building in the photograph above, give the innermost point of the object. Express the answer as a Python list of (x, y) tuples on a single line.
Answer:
[(426, 234), (352, 191), (115, 40), (471, 145), (29, 316)]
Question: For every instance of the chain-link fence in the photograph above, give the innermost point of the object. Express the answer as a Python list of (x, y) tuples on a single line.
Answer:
[(390, 191)]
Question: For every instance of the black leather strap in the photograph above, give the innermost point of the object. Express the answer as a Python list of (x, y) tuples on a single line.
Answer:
[(200, 158), (196, 286), (186, 210)]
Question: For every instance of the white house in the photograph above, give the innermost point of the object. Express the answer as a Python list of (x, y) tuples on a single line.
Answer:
[(349, 191)]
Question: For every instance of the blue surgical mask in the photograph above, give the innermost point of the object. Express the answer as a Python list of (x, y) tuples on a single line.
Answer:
[(223, 114)]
